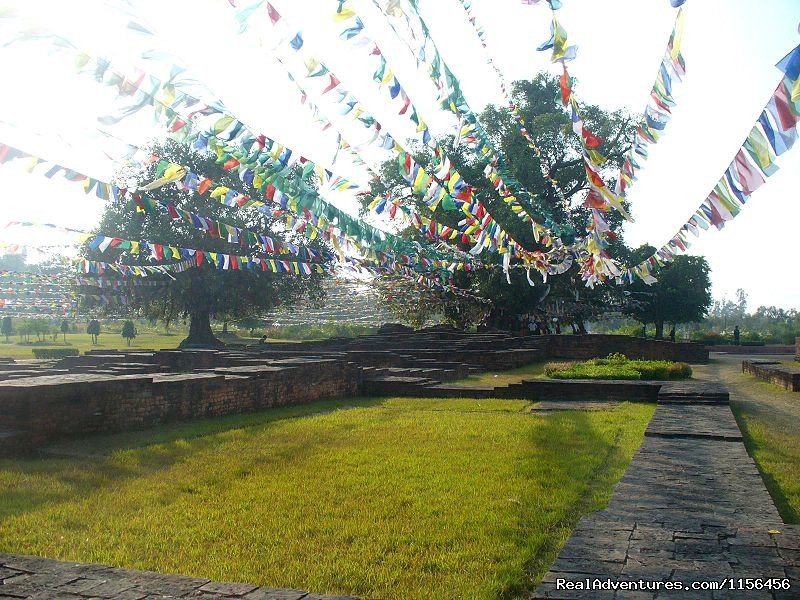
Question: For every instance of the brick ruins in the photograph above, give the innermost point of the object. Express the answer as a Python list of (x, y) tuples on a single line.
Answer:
[(109, 391)]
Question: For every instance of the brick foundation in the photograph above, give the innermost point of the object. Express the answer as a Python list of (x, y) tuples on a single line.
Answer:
[(786, 377)]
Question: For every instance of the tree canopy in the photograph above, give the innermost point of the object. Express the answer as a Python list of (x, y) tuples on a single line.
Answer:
[(202, 292), (539, 104), (682, 294)]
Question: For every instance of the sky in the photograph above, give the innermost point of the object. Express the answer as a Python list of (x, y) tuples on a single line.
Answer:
[(730, 48)]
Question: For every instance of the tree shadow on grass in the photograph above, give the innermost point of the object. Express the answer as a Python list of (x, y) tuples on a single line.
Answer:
[(577, 445), (75, 469)]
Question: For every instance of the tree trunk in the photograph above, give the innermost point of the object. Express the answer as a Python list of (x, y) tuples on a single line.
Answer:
[(581, 327), (200, 334), (660, 329)]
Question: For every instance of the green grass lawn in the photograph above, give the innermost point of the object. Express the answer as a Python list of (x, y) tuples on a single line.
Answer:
[(400, 498), (83, 342)]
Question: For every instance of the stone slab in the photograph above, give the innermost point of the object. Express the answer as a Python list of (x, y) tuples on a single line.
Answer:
[(36, 578)]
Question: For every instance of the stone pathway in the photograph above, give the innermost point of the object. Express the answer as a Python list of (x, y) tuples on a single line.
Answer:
[(37, 578), (691, 507)]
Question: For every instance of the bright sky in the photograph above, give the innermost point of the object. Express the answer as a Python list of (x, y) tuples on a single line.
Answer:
[(730, 47)]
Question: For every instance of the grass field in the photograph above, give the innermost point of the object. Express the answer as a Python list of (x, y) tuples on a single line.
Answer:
[(83, 342), (106, 341), (390, 498)]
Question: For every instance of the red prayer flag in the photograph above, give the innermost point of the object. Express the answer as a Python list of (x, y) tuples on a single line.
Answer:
[(274, 15), (784, 107), (594, 200), (334, 82), (591, 140), (749, 176), (563, 81), (204, 184)]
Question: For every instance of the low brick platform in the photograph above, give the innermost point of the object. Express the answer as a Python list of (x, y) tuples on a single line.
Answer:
[(38, 578), (691, 507), (779, 374)]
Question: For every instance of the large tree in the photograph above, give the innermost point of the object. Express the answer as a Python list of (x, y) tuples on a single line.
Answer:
[(539, 104), (682, 294), (202, 292)]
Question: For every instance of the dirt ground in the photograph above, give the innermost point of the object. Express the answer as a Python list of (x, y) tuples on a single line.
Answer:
[(769, 417)]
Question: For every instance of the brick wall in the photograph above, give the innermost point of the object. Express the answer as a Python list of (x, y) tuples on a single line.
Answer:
[(48, 408), (598, 346), (774, 372)]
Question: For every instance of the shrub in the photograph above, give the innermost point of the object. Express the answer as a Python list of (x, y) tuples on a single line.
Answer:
[(584, 371), (54, 352), (614, 367)]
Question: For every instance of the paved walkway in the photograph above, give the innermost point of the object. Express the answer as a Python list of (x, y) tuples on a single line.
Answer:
[(691, 507), (37, 578)]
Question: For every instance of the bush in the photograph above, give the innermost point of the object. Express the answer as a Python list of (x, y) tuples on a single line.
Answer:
[(585, 371), (54, 352), (617, 366)]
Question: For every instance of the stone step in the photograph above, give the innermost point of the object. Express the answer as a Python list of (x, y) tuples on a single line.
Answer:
[(394, 385), (693, 392)]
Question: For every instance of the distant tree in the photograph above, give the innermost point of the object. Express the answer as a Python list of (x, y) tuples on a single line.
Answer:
[(205, 292), (41, 327), (681, 295), (13, 262), (65, 329), (7, 328), (25, 328), (93, 329), (129, 331)]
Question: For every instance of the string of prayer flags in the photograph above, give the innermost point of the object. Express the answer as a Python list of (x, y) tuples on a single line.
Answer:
[(774, 133), (658, 111), (168, 101), (102, 190)]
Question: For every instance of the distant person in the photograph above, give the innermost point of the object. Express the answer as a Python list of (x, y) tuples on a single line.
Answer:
[(672, 334), (262, 341), (736, 336)]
